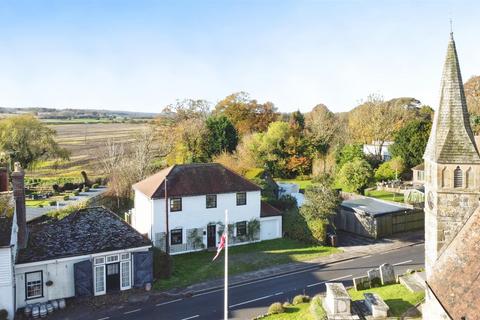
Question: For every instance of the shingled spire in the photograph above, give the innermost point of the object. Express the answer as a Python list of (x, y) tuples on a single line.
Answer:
[(451, 139)]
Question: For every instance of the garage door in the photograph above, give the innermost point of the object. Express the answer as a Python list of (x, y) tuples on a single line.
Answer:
[(270, 229)]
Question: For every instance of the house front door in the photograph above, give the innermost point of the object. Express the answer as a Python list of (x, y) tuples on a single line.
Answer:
[(113, 277), (211, 236)]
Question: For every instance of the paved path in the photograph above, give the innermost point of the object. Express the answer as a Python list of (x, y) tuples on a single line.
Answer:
[(252, 298)]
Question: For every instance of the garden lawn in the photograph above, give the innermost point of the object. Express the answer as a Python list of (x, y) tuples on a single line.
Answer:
[(302, 183), (190, 268), (398, 298), (385, 195), (297, 312)]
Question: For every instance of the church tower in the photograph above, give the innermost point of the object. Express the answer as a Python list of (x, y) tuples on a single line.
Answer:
[(452, 164)]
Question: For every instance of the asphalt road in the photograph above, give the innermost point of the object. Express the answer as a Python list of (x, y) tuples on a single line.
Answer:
[(249, 300)]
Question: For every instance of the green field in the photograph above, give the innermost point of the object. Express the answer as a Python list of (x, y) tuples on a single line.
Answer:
[(195, 267)]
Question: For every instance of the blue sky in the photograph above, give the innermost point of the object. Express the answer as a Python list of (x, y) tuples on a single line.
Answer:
[(142, 55)]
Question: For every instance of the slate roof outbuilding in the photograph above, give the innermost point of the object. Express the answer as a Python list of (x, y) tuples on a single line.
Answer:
[(372, 206), (194, 179), (86, 231)]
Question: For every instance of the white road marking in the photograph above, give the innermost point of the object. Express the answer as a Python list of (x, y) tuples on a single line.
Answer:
[(319, 283), (136, 310), (366, 256), (403, 262), (279, 293), (168, 302), (104, 318), (249, 301), (192, 317)]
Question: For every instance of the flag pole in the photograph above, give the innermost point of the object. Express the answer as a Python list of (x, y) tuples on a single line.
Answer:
[(225, 306)]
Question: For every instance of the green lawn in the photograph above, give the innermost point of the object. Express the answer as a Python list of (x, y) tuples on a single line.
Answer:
[(385, 195), (195, 267), (302, 183), (298, 312), (398, 298), (36, 203)]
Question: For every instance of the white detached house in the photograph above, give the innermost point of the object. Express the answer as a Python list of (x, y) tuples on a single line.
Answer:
[(198, 195)]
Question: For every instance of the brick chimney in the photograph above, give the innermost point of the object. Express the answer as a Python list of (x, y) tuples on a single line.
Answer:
[(19, 195), (3, 179)]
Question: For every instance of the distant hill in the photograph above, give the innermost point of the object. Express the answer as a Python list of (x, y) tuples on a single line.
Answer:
[(64, 114)]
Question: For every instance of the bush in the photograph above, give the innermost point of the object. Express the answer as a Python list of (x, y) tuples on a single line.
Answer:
[(316, 308), (95, 185), (300, 299), (3, 314), (275, 308), (284, 203), (52, 203), (76, 193), (86, 189), (162, 264), (286, 304), (65, 198)]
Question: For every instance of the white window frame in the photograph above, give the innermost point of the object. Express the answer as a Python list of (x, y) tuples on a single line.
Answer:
[(112, 258), (126, 264), (27, 297), (125, 256), (104, 291), (99, 260)]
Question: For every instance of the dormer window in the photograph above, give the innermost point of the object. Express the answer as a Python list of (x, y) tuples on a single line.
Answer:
[(457, 178)]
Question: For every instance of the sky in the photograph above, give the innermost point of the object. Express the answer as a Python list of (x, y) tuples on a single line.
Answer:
[(142, 55)]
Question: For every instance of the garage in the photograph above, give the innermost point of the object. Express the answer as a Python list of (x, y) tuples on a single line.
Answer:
[(270, 222)]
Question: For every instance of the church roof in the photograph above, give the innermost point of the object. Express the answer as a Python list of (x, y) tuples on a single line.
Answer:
[(451, 139), (455, 278)]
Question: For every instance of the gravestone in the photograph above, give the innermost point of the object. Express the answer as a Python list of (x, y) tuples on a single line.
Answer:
[(337, 302), (387, 274), (376, 305), (374, 277), (361, 283)]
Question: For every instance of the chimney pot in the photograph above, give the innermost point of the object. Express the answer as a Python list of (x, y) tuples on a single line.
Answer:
[(18, 182)]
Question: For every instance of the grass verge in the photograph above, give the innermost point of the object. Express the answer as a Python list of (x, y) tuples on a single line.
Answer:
[(297, 312), (195, 267), (385, 195)]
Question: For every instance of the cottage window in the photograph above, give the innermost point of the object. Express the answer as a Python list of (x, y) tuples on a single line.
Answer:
[(34, 284), (99, 279), (176, 236), (100, 260), (125, 256), (125, 273), (113, 258), (241, 228), (175, 204), (457, 178), (211, 201), (241, 198)]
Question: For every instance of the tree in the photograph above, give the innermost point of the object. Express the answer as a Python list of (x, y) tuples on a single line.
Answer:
[(376, 121), (222, 135), (321, 203), (322, 127), (26, 139), (354, 176), (185, 109), (348, 153), (246, 114), (472, 94), (410, 142), (191, 137), (297, 122), (390, 170)]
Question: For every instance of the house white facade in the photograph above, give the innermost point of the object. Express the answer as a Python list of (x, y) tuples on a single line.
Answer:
[(196, 221), (376, 148)]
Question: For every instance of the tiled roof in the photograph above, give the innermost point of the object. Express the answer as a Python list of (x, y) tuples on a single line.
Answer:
[(451, 139), (455, 276), (267, 210), (194, 179), (86, 231), (420, 167)]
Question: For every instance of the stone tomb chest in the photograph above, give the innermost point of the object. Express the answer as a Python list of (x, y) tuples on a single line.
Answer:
[(337, 301)]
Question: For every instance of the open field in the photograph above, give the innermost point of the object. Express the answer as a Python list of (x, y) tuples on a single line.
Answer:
[(385, 195), (84, 142)]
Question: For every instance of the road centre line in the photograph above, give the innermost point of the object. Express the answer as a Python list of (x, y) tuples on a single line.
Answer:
[(132, 311), (278, 293), (104, 318), (403, 262), (168, 302), (319, 283), (192, 317), (249, 301)]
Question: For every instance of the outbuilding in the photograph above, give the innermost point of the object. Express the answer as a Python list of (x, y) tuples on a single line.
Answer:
[(376, 218)]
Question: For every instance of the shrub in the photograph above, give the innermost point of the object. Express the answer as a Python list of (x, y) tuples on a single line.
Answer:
[(300, 299), (76, 193), (86, 189), (284, 203), (95, 185), (286, 304), (162, 264), (52, 203), (40, 205), (275, 308), (316, 309), (3, 314), (66, 198)]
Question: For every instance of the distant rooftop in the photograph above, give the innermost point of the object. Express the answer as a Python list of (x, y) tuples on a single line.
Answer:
[(373, 207)]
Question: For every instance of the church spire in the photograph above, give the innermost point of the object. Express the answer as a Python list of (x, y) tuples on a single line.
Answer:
[(451, 139)]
